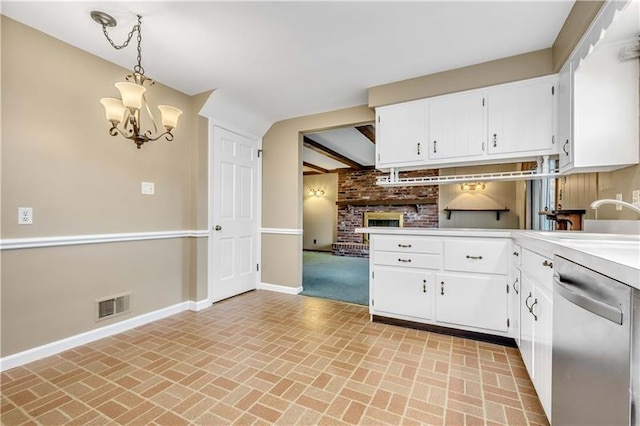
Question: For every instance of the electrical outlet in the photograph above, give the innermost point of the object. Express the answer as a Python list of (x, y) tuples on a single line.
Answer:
[(25, 216), (147, 188), (635, 196), (315, 241), (619, 198)]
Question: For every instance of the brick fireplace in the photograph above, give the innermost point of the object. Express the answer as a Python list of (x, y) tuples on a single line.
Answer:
[(359, 194)]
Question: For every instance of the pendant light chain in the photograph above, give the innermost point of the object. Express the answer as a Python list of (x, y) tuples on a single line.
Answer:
[(125, 114), (136, 28)]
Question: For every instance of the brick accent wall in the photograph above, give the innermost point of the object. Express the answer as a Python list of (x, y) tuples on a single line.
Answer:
[(361, 185)]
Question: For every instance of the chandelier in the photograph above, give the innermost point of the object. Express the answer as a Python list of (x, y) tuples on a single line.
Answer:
[(125, 114)]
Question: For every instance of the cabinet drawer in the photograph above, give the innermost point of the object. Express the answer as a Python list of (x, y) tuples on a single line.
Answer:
[(539, 268), (476, 255), (407, 244), (409, 260)]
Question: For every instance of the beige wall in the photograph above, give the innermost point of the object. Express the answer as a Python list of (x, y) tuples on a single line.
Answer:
[(319, 212), (579, 19), (58, 158), (282, 188), (496, 195)]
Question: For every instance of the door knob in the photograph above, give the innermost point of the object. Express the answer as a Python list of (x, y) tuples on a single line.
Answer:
[(218, 228)]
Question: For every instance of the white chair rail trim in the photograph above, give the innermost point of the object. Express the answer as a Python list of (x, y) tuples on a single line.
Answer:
[(68, 240), (281, 231)]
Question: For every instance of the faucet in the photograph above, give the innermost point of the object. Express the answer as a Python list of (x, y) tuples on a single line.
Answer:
[(635, 206)]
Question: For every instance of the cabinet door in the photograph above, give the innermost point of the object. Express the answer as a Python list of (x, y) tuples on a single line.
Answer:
[(520, 118), (401, 135), (526, 323), (514, 305), (542, 312), (403, 292), (456, 126), (472, 300), (565, 118)]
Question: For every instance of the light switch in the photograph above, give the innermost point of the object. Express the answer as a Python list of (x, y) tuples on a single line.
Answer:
[(148, 188)]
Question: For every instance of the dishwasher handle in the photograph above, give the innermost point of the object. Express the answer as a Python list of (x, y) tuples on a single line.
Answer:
[(604, 310)]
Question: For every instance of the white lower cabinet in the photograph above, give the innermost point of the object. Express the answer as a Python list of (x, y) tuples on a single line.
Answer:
[(472, 300), (403, 292), (514, 304), (536, 327), (542, 310), (455, 282), (526, 324)]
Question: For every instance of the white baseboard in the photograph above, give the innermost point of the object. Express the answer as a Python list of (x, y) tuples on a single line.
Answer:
[(280, 288), (53, 348)]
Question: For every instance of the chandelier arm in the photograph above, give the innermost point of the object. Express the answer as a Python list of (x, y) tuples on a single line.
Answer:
[(155, 125), (167, 134), (115, 131)]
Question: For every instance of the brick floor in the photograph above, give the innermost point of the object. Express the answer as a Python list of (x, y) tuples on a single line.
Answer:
[(270, 358)]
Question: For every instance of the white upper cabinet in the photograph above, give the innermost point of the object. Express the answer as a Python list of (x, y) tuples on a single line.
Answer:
[(599, 97), (565, 115), (520, 117), (506, 123), (401, 134), (457, 126)]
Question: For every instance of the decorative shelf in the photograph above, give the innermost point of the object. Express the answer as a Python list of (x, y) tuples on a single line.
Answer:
[(394, 202), (497, 211)]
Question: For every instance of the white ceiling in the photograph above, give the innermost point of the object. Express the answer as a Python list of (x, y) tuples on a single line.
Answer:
[(288, 59)]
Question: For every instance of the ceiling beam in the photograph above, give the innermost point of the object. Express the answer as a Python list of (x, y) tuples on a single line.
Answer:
[(311, 144), (314, 167), (368, 131)]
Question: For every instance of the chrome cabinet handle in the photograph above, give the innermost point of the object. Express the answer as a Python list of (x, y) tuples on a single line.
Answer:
[(442, 288), (435, 146), (535, 317), (404, 245), (418, 148), (564, 147), (495, 140), (515, 253), (547, 263), (527, 300), (474, 257), (424, 286), (514, 286), (404, 260)]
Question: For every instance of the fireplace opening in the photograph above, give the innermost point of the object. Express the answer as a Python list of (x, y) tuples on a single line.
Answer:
[(390, 219)]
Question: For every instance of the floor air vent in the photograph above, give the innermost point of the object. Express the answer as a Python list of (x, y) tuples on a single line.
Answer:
[(113, 306)]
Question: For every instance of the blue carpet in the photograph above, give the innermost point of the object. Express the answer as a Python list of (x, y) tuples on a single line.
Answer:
[(335, 277)]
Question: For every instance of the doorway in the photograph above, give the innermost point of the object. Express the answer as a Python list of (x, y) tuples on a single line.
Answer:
[(326, 155)]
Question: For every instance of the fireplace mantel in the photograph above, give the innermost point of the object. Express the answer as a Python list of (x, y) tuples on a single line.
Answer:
[(394, 202)]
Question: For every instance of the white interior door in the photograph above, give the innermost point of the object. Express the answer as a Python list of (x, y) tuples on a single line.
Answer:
[(234, 214)]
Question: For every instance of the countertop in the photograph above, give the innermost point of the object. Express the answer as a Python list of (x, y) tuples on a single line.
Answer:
[(614, 255)]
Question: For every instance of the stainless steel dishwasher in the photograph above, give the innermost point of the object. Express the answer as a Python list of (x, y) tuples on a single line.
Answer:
[(592, 381)]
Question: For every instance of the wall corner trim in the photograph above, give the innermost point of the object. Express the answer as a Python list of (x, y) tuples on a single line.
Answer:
[(280, 288), (199, 305), (53, 348)]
